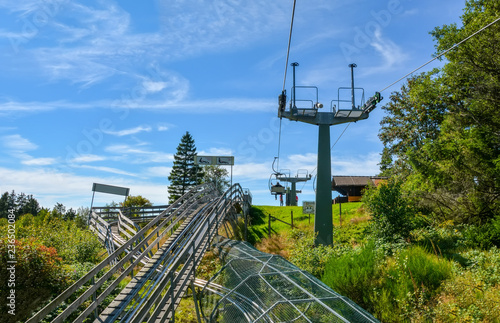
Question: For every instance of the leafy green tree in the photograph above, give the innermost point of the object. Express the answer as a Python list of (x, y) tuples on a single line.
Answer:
[(442, 132), (391, 211), (136, 201), (217, 175), (414, 116), (185, 173)]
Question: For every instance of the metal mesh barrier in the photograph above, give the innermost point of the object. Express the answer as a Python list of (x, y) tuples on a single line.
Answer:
[(258, 287)]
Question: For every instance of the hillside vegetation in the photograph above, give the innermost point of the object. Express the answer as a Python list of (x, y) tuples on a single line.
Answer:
[(435, 273)]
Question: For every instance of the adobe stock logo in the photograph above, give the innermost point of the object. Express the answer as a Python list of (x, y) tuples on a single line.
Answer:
[(365, 36)]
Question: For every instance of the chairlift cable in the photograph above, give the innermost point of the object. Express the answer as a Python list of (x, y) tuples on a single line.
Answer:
[(446, 51), (289, 42), (284, 78), (336, 141)]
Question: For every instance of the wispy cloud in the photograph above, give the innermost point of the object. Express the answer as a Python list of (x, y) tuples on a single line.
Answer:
[(162, 127), (219, 25), (216, 152), (106, 170), (366, 165), (251, 171), (139, 155), (17, 143), (161, 172), (391, 53), (99, 42), (87, 159), (39, 161), (131, 131), (210, 106)]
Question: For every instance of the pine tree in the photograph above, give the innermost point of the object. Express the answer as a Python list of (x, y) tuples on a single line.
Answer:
[(185, 173)]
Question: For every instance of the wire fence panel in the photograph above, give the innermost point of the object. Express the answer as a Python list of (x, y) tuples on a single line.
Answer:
[(259, 287)]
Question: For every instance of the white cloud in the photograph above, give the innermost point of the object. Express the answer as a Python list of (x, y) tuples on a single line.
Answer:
[(251, 171), (131, 131), (106, 169), (139, 155), (162, 172), (391, 53), (154, 87), (87, 159), (364, 165), (17, 143), (206, 106), (216, 152), (39, 161)]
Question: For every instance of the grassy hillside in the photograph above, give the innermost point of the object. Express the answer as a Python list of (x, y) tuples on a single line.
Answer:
[(441, 273), (259, 226)]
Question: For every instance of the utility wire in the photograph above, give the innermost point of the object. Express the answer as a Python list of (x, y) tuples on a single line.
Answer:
[(446, 51)]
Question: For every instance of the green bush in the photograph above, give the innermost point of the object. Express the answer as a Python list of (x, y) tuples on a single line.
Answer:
[(391, 213), (73, 244), (38, 275), (483, 236), (305, 255), (351, 233), (445, 241), (473, 294)]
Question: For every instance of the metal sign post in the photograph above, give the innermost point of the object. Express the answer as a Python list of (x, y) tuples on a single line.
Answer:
[(216, 160), (108, 189)]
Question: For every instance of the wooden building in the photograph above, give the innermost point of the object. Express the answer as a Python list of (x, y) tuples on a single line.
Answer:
[(351, 187)]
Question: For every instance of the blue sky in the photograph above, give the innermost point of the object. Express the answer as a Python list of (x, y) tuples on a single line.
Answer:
[(102, 91)]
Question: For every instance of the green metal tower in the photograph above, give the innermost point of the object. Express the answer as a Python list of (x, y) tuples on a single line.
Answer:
[(309, 112)]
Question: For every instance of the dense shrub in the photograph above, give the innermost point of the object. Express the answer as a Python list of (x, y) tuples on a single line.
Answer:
[(73, 244), (38, 274), (408, 283), (391, 213), (305, 255), (446, 240), (473, 294), (483, 236)]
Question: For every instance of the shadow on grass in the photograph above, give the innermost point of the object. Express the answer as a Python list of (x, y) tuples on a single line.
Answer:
[(255, 228)]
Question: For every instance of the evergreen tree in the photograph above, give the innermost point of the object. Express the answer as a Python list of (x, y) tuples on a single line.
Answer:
[(19, 204), (185, 173)]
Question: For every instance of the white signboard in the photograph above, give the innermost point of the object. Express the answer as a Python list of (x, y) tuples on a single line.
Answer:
[(308, 207), (214, 160)]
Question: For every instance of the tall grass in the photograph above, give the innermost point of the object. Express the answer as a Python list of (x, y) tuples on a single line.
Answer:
[(409, 282), (352, 274), (394, 289)]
